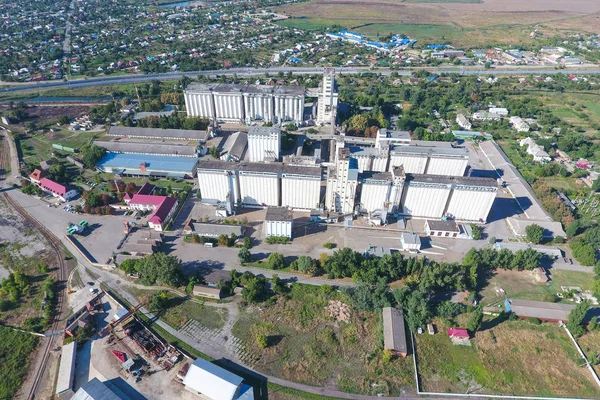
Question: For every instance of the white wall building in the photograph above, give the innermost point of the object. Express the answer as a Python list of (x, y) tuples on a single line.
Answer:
[(537, 152), (462, 198), (381, 190), (327, 101), (463, 122), (264, 143), (226, 102), (216, 183), (209, 381), (442, 160), (260, 184), (342, 182), (519, 124), (301, 190), (258, 188), (390, 138), (503, 112), (278, 222)]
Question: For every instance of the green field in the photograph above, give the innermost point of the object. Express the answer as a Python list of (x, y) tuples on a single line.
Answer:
[(521, 285), (15, 349), (307, 346), (514, 357), (184, 310)]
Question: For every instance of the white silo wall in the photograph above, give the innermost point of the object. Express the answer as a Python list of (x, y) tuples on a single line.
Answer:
[(471, 205), (425, 201), (300, 192), (259, 189)]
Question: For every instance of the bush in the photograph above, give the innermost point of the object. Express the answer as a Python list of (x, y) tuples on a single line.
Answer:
[(244, 255), (277, 240), (534, 233), (329, 245), (262, 340), (387, 356), (534, 321), (476, 232), (276, 261)]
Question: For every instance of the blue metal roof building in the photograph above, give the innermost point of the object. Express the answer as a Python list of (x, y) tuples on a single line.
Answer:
[(148, 165)]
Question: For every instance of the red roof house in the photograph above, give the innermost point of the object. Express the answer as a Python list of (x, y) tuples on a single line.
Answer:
[(37, 175), (458, 333)]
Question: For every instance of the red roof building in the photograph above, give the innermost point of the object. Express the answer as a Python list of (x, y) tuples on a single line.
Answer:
[(37, 175), (458, 333), (163, 207), (57, 189)]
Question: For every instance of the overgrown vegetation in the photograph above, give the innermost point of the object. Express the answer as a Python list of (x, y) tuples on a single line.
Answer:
[(15, 348)]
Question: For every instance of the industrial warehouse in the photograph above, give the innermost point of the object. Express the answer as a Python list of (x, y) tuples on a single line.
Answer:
[(424, 196), (245, 103), (248, 104), (260, 185)]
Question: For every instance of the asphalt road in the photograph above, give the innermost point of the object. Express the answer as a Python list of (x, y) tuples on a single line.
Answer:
[(249, 72)]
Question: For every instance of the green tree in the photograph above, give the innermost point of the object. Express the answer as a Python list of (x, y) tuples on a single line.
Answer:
[(475, 321), (276, 261), (214, 152), (592, 237), (255, 289), (92, 154), (534, 233), (247, 242), (63, 120), (160, 268), (129, 266), (476, 232), (159, 301), (577, 317), (244, 255), (306, 265), (278, 286)]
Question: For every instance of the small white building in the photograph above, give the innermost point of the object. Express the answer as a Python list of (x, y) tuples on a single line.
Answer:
[(278, 222), (537, 151), (500, 111), (66, 371), (410, 241), (209, 381), (447, 229), (463, 122), (519, 124)]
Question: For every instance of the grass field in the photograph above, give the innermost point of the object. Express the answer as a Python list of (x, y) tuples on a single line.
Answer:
[(183, 311), (15, 348), (518, 358), (521, 285), (590, 344), (306, 346)]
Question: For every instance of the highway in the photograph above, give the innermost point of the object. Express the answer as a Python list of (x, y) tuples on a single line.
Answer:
[(250, 72)]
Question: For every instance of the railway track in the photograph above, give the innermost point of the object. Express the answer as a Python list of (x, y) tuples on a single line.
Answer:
[(62, 274), (4, 157)]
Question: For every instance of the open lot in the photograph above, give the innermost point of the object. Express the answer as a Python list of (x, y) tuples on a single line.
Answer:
[(522, 285), (519, 358), (307, 346), (105, 231)]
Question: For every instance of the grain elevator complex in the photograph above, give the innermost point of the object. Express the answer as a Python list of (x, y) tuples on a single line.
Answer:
[(390, 175)]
